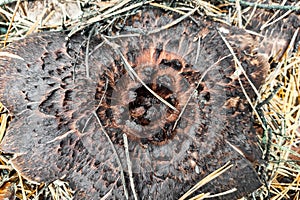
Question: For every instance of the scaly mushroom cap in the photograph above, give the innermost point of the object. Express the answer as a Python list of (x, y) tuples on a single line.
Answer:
[(59, 107)]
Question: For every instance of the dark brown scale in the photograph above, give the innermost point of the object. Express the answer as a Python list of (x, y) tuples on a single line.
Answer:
[(55, 134)]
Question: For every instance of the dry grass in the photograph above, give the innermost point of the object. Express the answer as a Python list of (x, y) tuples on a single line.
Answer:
[(281, 144), (282, 114)]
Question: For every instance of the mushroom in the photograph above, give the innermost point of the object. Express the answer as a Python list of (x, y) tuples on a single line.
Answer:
[(175, 92)]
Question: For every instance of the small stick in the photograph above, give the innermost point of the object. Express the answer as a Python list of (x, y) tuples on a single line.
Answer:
[(267, 132), (87, 70), (115, 152), (267, 6), (240, 70), (198, 50), (11, 21), (112, 145), (207, 179), (110, 191), (129, 164), (173, 22), (222, 193)]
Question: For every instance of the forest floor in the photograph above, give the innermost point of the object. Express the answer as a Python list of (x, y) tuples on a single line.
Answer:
[(281, 142)]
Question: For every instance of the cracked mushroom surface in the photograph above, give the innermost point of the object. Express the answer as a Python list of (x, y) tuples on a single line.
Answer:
[(66, 112)]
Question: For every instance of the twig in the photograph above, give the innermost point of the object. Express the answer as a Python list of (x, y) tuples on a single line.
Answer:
[(10, 55), (87, 70), (239, 70), (259, 106), (167, 8), (267, 132), (270, 22), (37, 22), (266, 6), (114, 8), (11, 21), (43, 189), (21, 181), (207, 179), (110, 191), (116, 153), (222, 193), (207, 7), (293, 42), (240, 67), (173, 22), (129, 165), (172, 9), (112, 146), (4, 119), (251, 15), (107, 14), (239, 14), (26, 22), (268, 99), (198, 50)]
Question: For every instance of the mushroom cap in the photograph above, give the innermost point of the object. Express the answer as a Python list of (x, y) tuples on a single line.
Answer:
[(61, 105)]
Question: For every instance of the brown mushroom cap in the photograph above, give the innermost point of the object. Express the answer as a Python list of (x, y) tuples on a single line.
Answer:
[(54, 133)]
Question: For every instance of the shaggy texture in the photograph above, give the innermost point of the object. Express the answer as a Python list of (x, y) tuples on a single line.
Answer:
[(63, 108)]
